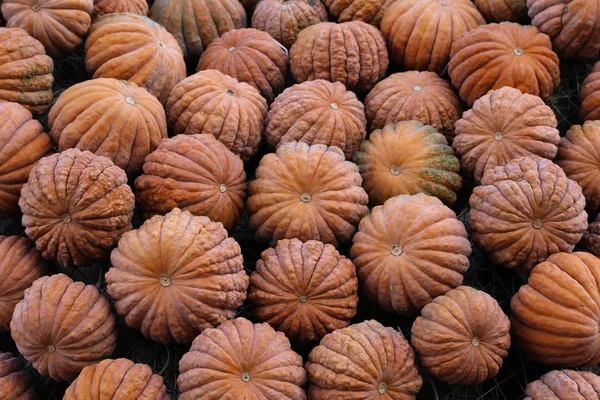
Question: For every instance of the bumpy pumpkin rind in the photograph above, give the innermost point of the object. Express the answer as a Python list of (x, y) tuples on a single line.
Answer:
[(503, 125), (590, 95), (62, 326), (591, 238), (369, 11), (502, 10), (564, 385), (102, 7), (15, 382), (76, 206)]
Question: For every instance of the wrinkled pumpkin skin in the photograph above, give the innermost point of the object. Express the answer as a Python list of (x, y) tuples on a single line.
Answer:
[(564, 385), (462, 337), (15, 382), (102, 7), (590, 95), (369, 11), (591, 238), (383, 365), (555, 317), (62, 326), (239, 358), (502, 10)]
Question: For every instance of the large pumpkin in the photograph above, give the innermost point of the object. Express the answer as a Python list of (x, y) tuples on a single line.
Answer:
[(409, 251), (317, 112), (408, 158), (502, 10), (76, 206), (306, 192), (420, 33), (462, 337), (363, 361), (102, 7), (239, 358), (305, 290), (59, 25), (564, 385), (111, 118), (370, 11), (353, 53), (555, 317), (502, 125), (506, 54), (590, 95), (195, 173), (62, 326), (15, 381), (24, 143), (153, 60)]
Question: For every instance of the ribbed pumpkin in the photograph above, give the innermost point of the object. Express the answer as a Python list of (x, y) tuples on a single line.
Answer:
[(462, 337), (525, 211), (59, 25), (352, 53), (503, 125), (62, 326), (363, 361), (564, 385), (317, 112), (408, 158), (196, 23), (370, 11), (213, 103), (238, 359), (76, 206), (306, 192), (555, 317), (111, 118), (420, 33), (502, 10), (409, 251), (102, 7), (505, 54), (25, 70), (305, 290), (590, 95), (24, 143), (120, 378), (153, 60), (413, 95), (195, 173), (15, 382), (591, 238)]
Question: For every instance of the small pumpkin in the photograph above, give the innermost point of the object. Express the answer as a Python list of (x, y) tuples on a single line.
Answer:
[(502, 10), (564, 385), (102, 7), (369, 11), (591, 238), (590, 95), (15, 381)]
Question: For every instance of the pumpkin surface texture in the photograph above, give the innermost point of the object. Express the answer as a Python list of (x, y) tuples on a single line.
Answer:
[(305, 290), (408, 158), (555, 317), (102, 7), (505, 54), (503, 125), (352, 53), (413, 95), (76, 206), (462, 337), (564, 385), (195, 173), (383, 365), (409, 251), (370, 11), (62, 326), (306, 192), (317, 112), (176, 276), (111, 118), (590, 95), (15, 382), (502, 10), (591, 238), (153, 60), (241, 360)]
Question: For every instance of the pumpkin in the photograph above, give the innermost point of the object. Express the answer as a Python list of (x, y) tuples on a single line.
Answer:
[(305, 290), (409, 251), (24, 143), (283, 20), (240, 358), (111, 118), (196, 23), (591, 238), (502, 10), (462, 337), (564, 385), (62, 326), (352, 53), (76, 206), (525, 211), (213, 103), (555, 317), (420, 33), (413, 95), (317, 112), (110, 379), (408, 158), (590, 95), (306, 192), (153, 60), (25, 70), (59, 25), (503, 125), (15, 381), (505, 54), (382, 365), (370, 11), (195, 173), (102, 7)]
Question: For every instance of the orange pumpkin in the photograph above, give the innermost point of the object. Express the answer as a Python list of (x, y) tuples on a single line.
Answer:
[(590, 95), (502, 10), (564, 385), (370, 11), (102, 7), (15, 381)]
